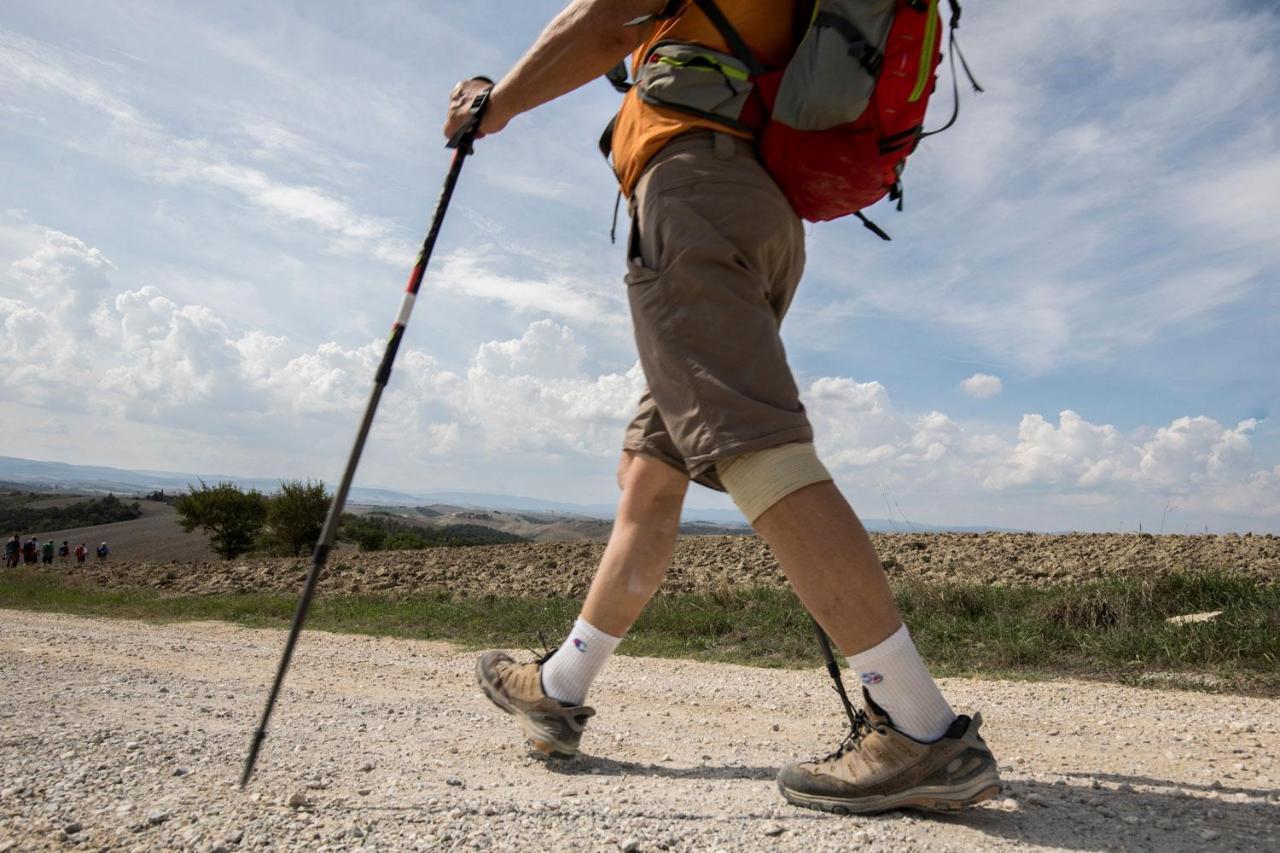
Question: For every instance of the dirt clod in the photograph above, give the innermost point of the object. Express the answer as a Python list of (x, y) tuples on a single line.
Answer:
[(545, 569)]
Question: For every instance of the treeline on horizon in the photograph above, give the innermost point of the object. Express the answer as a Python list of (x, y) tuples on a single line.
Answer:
[(290, 521), (16, 516), (381, 533)]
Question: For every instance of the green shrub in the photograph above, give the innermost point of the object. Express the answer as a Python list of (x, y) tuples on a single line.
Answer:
[(295, 516), (232, 517)]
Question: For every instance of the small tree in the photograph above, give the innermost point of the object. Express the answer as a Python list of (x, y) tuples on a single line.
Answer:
[(295, 514), (231, 516)]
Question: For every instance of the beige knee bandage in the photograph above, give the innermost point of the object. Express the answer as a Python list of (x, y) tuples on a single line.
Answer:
[(758, 480)]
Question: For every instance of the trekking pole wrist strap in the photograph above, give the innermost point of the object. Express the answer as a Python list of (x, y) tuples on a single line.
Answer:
[(465, 135)]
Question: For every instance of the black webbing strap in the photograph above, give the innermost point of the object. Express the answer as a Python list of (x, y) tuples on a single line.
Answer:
[(730, 35), (617, 77), (670, 10), (613, 229), (606, 138), (872, 227), (902, 139), (859, 47), (953, 48)]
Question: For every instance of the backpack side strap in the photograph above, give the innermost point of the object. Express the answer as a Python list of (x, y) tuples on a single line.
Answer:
[(670, 10), (953, 48), (737, 45), (859, 47)]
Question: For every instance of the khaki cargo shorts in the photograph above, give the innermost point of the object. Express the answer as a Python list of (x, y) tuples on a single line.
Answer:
[(714, 258)]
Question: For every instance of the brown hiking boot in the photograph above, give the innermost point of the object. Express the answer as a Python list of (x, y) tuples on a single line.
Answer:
[(551, 727), (879, 768)]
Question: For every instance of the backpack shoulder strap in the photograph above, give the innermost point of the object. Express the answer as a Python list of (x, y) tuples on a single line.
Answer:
[(669, 10), (617, 75), (731, 36)]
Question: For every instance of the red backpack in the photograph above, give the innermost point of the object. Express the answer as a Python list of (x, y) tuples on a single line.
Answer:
[(834, 126)]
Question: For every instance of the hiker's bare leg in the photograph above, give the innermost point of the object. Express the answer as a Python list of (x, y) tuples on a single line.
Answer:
[(640, 546), (826, 554)]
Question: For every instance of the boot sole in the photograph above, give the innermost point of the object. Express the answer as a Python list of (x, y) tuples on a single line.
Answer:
[(537, 737), (945, 799)]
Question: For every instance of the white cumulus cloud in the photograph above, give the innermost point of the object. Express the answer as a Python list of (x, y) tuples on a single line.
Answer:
[(70, 335), (982, 386)]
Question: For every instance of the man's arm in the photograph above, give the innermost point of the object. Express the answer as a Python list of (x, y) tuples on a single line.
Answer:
[(583, 42)]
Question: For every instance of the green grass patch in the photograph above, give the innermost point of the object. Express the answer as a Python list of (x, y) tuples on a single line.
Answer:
[(1113, 629)]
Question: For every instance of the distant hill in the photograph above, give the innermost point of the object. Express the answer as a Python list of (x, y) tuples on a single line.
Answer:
[(571, 517), (533, 525), (27, 473)]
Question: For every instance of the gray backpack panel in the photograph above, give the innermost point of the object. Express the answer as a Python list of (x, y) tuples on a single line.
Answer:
[(830, 79), (694, 79)]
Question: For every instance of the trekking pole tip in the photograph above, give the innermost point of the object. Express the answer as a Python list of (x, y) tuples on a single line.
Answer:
[(247, 773)]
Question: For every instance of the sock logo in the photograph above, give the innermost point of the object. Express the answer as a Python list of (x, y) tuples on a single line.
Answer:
[(580, 645), (870, 678)]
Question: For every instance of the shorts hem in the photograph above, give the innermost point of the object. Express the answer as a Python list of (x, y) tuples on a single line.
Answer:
[(653, 453), (702, 468)]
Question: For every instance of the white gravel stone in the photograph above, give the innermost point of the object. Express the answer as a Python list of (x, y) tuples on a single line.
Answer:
[(400, 707)]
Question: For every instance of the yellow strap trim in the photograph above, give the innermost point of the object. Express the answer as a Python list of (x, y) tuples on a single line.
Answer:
[(926, 52), (726, 70)]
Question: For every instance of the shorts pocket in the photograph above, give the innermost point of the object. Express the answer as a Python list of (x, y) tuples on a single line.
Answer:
[(638, 271)]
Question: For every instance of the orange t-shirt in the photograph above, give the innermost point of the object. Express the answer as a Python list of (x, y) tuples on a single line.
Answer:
[(642, 129)]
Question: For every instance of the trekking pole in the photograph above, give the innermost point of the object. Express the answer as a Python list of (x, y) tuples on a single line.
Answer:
[(461, 143), (833, 670)]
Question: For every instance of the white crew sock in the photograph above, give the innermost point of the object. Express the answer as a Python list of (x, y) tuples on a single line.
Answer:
[(898, 682), (567, 675)]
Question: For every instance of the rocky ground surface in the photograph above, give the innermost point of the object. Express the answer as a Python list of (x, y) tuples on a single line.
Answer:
[(121, 735), (712, 562)]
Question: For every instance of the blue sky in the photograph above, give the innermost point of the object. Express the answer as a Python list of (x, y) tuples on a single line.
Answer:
[(207, 212)]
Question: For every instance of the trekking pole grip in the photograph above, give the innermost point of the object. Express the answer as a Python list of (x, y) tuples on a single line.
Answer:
[(465, 135)]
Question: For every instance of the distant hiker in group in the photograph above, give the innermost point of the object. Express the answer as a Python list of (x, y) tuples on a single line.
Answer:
[(706, 151), (103, 551), (81, 552), (31, 552), (12, 548), (64, 552), (46, 553)]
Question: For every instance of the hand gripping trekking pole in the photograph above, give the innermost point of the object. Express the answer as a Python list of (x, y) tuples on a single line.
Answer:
[(461, 143)]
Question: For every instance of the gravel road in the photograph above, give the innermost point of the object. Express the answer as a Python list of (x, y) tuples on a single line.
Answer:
[(125, 735)]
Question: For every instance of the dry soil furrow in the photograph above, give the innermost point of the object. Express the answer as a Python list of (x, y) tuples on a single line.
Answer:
[(712, 562)]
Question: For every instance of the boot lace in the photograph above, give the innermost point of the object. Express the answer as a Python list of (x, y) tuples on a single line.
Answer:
[(860, 727), (547, 650)]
